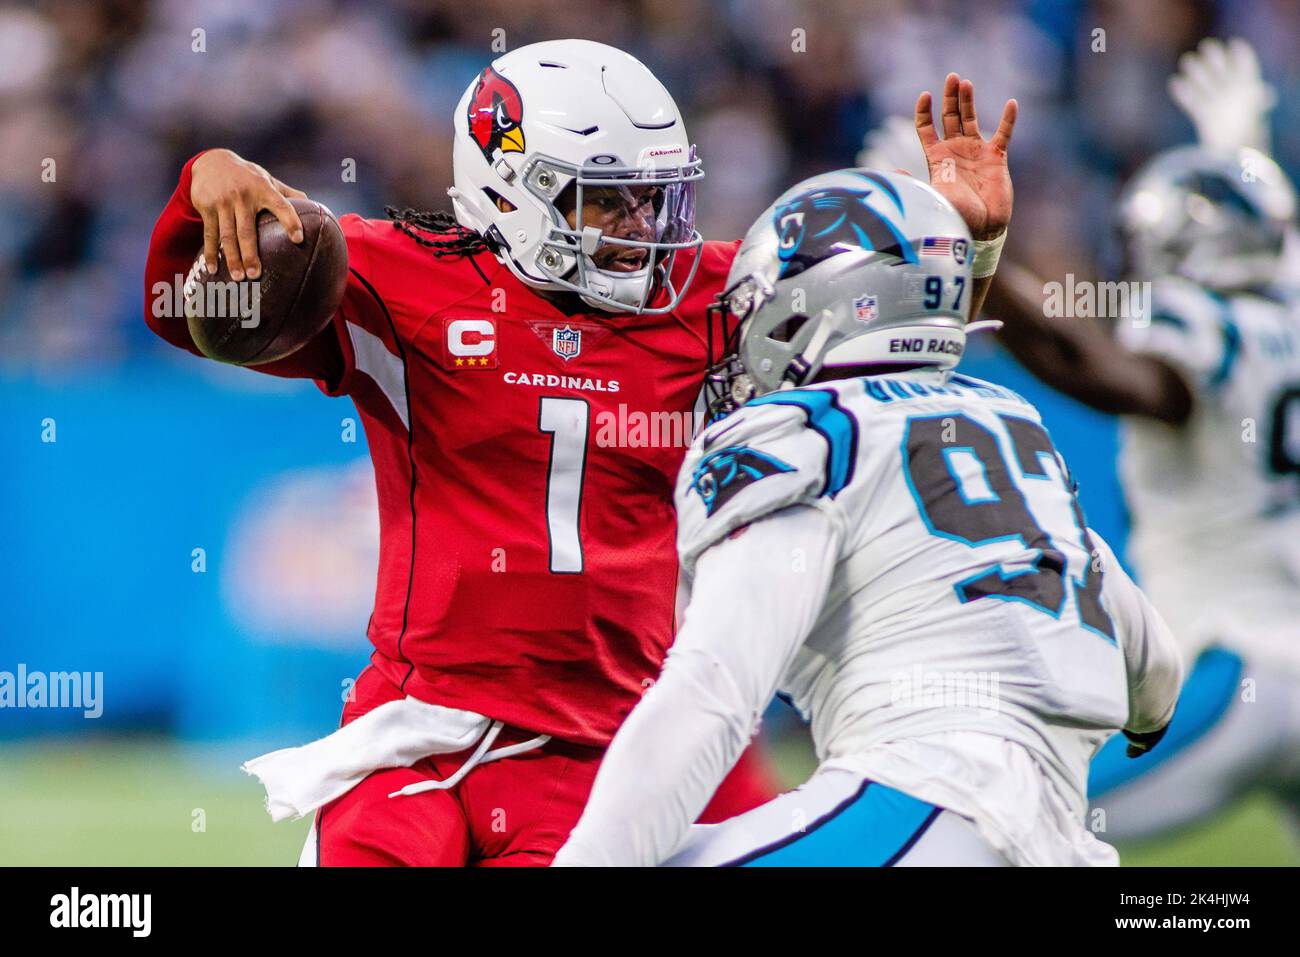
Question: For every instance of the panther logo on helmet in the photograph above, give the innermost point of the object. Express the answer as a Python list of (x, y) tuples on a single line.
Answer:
[(495, 114), (821, 223)]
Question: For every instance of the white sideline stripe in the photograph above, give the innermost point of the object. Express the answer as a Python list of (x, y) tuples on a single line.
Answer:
[(386, 369)]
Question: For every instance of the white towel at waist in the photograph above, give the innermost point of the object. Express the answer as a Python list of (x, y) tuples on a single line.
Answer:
[(393, 735)]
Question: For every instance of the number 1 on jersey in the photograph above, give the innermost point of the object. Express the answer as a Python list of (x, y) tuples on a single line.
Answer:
[(566, 422)]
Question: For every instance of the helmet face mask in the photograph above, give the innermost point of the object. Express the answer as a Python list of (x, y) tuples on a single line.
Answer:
[(557, 121), (569, 252), (727, 385), (852, 269)]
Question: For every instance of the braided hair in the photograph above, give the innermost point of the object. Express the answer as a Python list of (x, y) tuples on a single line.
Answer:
[(459, 241)]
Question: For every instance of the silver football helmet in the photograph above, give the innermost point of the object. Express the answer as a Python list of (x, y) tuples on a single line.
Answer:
[(852, 268), (1216, 218)]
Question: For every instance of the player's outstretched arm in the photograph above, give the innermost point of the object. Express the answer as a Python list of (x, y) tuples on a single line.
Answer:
[(1152, 659), (970, 171), (754, 599), (1080, 358)]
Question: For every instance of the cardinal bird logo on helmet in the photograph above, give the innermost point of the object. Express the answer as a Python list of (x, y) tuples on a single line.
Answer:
[(495, 115)]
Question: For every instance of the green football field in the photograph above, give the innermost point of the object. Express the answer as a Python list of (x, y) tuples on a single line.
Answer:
[(141, 801)]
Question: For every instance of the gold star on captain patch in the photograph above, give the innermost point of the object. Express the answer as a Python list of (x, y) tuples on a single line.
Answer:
[(460, 362)]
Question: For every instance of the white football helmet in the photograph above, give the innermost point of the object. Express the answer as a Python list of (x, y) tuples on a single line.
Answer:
[(563, 112), (1217, 218)]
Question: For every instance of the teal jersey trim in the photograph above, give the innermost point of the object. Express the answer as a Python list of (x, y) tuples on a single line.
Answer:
[(833, 424)]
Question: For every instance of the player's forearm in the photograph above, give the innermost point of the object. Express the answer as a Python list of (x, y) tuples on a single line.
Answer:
[(1058, 353), (979, 290), (1078, 357), (689, 730), (1155, 670), (175, 243), (1152, 660), (664, 765)]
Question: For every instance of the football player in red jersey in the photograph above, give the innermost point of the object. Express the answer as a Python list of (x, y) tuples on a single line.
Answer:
[(527, 375)]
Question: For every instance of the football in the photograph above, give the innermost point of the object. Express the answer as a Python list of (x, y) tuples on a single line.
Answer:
[(300, 287)]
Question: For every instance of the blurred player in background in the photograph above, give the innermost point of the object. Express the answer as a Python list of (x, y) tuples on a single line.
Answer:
[(862, 522), (1207, 379), (527, 569)]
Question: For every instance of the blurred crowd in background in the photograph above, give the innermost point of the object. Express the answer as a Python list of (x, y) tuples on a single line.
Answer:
[(113, 92)]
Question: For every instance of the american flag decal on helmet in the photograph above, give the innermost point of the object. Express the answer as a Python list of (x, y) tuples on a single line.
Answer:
[(936, 246)]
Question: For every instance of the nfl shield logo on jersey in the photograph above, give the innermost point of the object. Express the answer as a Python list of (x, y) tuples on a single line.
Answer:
[(865, 308), (566, 342)]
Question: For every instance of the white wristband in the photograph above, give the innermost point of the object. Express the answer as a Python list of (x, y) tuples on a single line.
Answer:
[(987, 252)]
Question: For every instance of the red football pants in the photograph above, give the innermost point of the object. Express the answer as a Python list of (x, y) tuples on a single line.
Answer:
[(517, 811)]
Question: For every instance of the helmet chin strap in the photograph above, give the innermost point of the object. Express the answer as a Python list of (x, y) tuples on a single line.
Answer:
[(625, 288)]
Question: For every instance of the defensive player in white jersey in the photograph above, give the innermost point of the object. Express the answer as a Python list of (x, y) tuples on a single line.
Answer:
[(1207, 378), (900, 550)]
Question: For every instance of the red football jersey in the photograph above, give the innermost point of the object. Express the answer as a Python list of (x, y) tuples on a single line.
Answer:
[(525, 460)]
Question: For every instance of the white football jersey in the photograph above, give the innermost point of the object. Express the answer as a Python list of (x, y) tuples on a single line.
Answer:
[(967, 596), (1215, 504)]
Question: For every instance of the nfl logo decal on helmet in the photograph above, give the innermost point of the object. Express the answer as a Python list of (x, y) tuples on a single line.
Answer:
[(566, 342), (866, 308)]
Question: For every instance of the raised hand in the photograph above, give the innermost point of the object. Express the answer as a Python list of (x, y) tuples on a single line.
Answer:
[(1223, 92), (968, 170)]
